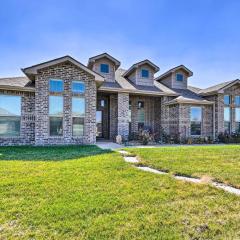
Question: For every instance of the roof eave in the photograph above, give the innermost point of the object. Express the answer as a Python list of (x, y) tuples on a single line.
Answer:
[(208, 93), (31, 72), (92, 60), (137, 65), (193, 102), (103, 89), (23, 89), (169, 72)]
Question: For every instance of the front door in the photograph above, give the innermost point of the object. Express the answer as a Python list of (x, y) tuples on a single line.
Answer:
[(102, 117), (99, 128)]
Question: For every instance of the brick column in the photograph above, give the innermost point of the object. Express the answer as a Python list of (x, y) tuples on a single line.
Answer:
[(123, 123), (165, 115)]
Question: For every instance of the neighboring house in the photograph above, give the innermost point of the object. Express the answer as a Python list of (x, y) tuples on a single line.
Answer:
[(65, 102)]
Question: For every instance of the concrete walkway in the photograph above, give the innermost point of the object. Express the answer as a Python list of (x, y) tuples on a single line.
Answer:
[(111, 145), (108, 145)]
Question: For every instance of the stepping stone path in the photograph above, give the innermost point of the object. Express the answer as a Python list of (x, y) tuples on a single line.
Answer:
[(148, 169), (227, 188), (188, 179), (133, 159)]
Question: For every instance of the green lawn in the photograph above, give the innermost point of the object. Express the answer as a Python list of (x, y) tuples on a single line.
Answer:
[(87, 193), (221, 163)]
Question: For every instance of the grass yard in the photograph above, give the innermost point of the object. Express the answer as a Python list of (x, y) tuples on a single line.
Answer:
[(87, 193), (221, 163)]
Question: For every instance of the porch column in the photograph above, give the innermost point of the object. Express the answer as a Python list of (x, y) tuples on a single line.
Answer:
[(123, 106)]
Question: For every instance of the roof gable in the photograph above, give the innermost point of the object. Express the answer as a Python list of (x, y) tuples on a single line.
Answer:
[(137, 65), (103, 55), (219, 88), (32, 71), (173, 70)]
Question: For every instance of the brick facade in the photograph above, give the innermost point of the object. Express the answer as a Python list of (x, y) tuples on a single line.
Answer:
[(152, 112), (67, 72), (157, 114), (185, 120), (219, 108)]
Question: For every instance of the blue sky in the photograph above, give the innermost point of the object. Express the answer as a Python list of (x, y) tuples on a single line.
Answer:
[(204, 35)]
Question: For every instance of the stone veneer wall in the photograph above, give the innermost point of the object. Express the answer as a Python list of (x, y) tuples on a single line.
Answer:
[(27, 126), (67, 72)]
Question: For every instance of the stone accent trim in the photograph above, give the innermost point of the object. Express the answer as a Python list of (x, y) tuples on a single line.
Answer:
[(123, 123)]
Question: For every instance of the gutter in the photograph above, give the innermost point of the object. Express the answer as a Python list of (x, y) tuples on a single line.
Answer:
[(188, 102), (23, 89), (102, 89)]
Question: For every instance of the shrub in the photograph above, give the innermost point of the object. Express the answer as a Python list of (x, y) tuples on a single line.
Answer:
[(229, 138), (145, 136)]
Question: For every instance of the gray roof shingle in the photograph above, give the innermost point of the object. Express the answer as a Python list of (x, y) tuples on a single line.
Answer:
[(125, 84), (18, 82), (217, 87)]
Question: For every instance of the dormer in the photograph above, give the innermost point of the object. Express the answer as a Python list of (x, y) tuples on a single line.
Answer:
[(105, 65), (142, 73), (176, 77)]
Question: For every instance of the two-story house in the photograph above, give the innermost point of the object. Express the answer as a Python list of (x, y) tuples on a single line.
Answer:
[(62, 101)]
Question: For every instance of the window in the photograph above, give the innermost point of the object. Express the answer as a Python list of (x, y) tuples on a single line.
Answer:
[(104, 68), (145, 73), (78, 114), (179, 77), (56, 115), (227, 99), (99, 130), (10, 115), (140, 115), (55, 85), (130, 112), (196, 121), (78, 87), (237, 100), (237, 119), (102, 103), (227, 119)]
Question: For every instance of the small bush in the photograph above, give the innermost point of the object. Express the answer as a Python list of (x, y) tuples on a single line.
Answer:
[(229, 138)]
